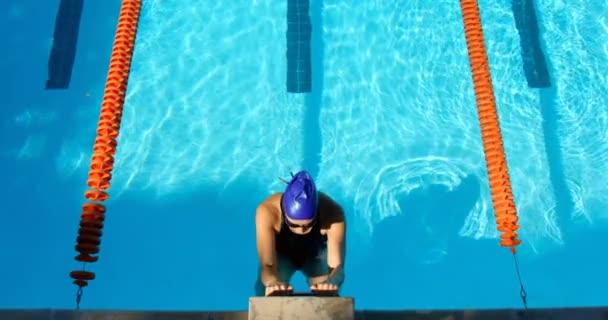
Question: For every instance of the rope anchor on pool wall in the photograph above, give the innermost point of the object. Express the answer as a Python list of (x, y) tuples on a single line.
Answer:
[(104, 149), (496, 160)]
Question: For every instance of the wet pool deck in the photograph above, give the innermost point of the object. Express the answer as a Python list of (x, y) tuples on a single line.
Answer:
[(313, 308)]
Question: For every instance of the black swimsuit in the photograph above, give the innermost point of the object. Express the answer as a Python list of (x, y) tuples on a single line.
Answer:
[(299, 248)]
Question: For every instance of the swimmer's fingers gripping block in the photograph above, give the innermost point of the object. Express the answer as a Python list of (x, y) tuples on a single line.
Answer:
[(301, 308)]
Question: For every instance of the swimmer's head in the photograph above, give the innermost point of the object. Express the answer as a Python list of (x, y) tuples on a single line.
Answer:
[(300, 198)]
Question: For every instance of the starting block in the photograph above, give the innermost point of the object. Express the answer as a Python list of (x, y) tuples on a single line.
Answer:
[(301, 307)]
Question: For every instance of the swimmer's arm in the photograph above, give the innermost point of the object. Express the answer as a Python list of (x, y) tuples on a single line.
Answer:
[(265, 245), (336, 247)]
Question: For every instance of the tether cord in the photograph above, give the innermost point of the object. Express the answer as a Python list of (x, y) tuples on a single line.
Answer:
[(80, 291), (522, 290)]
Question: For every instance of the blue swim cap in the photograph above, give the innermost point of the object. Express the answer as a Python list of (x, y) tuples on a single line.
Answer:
[(300, 197)]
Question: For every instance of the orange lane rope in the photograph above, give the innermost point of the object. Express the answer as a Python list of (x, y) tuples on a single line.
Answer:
[(496, 160), (104, 149)]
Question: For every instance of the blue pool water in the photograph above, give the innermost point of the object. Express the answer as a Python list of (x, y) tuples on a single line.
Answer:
[(390, 130)]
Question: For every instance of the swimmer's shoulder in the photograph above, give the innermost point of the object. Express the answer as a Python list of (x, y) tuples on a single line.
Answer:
[(269, 209), (330, 211)]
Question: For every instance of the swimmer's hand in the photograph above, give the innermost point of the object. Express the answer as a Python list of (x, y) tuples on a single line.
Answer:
[(324, 289), (278, 288)]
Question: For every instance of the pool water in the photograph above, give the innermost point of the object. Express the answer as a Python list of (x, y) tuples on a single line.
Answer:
[(390, 130)]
